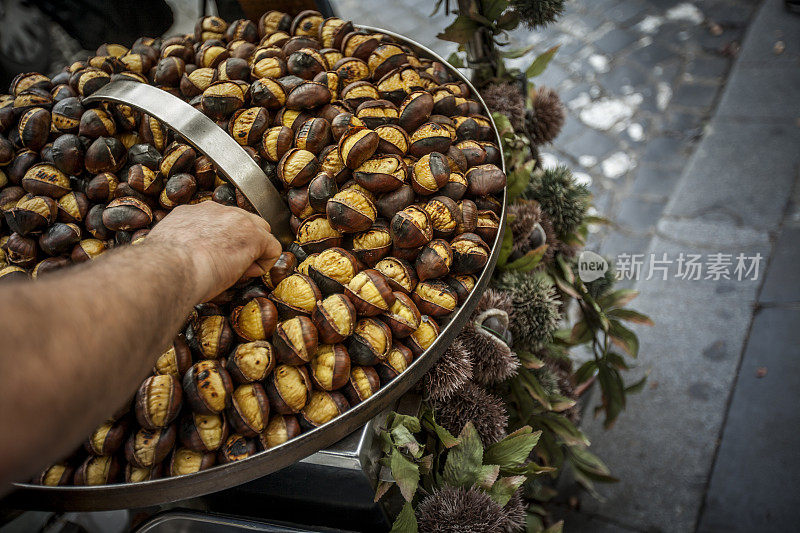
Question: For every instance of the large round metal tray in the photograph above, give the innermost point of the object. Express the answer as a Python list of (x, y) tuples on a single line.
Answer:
[(171, 489)]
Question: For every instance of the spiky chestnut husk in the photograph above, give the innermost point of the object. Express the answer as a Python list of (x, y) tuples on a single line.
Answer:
[(471, 402), (536, 307), (451, 371), (506, 98), (515, 511), (545, 120), (492, 359), (451, 510), (563, 201), (525, 215), (493, 299), (538, 13)]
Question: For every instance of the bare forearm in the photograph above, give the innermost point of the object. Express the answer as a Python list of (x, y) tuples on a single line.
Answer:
[(74, 346)]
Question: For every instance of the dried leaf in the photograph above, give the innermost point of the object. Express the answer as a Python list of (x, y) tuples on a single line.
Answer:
[(406, 474)]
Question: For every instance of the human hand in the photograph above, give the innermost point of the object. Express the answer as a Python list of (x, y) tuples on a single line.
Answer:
[(221, 244)]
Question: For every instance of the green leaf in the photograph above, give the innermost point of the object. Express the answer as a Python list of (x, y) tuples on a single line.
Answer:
[(615, 359), (638, 386), (406, 521), (562, 427), (535, 388), (504, 488), (405, 473), (613, 393), (447, 439), (517, 52), (590, 464), (529, 360), (529, 261), (488, 476), (403, 439), (460, 31), (618, 298), (533, 523), (455, 60), (508, 20), (585, 372), (541, 62), (507, 245), (464, 460), (631, 316), (561, 403), (624, 338), (396, 419), (383, 487), (514, 449), (580, 333), (493, 8), (558, 527)]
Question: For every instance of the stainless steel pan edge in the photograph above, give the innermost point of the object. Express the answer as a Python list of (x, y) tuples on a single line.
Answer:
[(166, 490)]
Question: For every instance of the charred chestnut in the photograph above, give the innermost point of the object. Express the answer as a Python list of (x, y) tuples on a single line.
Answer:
[(434, 260), (411, 227), (208, 387)]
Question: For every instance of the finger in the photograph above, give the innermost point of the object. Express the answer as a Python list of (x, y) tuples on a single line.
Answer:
[(254, 271), (271, 253)]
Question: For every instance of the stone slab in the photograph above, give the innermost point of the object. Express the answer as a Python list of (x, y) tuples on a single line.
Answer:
[(771, 93), (662, 446), (773, 23), (782, 282), (754, 483), (741, 171)]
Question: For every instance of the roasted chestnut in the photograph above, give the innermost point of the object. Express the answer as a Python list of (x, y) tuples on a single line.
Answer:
[(444, 215), (370, 293), (363, 383), (288, 389), (357, 145), (176, 360), (255, 320), (395, 363), (295, 340), (57, 475), (236, 448), (158, 401), (203, 433), (97, 470), (281, 428), (370, 341), (411, 227), (44, 179), (211, 336), (322, 407), (282, 269), (435, 298), (403, 316), (251, 361), (208, 387), (148, 447), (434, 260), (334, 318), (400, 275), (423, 337), (107, 438), (185, 461), (470, 253), (249, 410), (330, 366), (351, 211), (382, 173)]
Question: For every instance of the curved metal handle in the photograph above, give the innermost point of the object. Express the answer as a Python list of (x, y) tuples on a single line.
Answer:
[(202, 133)]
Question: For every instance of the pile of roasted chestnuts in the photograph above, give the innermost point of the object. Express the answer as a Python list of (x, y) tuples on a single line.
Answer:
[(388, 168)]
